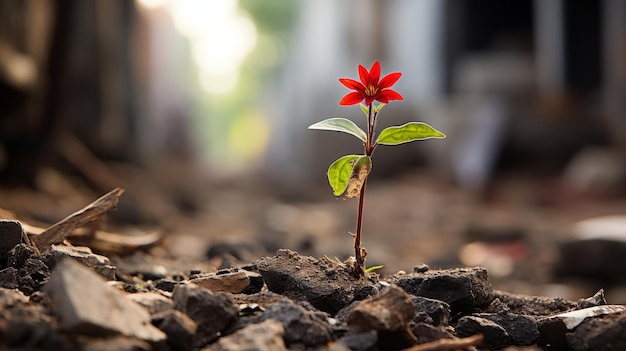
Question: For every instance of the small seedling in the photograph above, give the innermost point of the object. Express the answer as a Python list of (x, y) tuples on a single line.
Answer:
[(348, 174)]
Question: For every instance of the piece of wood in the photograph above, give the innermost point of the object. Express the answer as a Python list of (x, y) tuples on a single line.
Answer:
[(62, 229), (449, 344)]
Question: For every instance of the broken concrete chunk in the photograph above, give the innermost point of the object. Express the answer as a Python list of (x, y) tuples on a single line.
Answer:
[(98, 263), (264, 336), (466, 290), (87, 305), (389, 313), (214, 312)]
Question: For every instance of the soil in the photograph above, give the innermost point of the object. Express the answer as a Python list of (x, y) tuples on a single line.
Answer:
[(235, 295)]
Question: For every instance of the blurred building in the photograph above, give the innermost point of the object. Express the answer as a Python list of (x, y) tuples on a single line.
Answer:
[(511, 83)]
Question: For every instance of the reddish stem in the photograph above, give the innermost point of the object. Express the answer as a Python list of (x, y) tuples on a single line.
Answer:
[(370, 145)]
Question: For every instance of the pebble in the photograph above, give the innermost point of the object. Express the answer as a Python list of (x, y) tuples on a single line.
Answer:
[(264, 336)]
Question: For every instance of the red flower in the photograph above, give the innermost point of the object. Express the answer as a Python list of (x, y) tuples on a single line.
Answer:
[(370, 87)]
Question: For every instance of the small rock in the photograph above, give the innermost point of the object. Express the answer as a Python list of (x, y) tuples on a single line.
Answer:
[(326, 284), (264, 336), (388, 313), (154, 303), (437, 311), (465, 289), (521, 329), (556, 330), (166, 284), (105, 312), (98, 263), (310, 328), (496, 337), (597, 299), (180, 329), (213, 312), (600, 333), (236, 281), (11, 234), (361, 342), (426, 332)]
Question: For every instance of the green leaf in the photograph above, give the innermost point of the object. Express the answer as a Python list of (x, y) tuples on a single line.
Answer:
[(379, 107), (408, 132), (339, 173), (340, 125), (365, 110), (373, 268)]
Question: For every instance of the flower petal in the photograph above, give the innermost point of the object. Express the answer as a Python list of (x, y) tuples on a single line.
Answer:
[(389, 80), (374, 74), (352, 98), (369, 100), (382, 98), (390, 95), (364, 75), (352, 84)]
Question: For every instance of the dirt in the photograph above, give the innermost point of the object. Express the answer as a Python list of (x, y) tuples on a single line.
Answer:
[(317, 303), (224, 280)]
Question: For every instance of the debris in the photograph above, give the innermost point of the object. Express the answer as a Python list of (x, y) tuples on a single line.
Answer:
[(212, 312), (388, 313), (98, 263), (464, 289), (105, 312), (61, 230), (264, 336), (327, 285)]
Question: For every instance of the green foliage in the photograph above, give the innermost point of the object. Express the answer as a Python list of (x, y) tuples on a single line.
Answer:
[(340, 171), (406, 133), (373, 268), (338, 124)]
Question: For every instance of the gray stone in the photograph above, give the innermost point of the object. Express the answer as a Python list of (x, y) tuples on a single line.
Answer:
[(98, 263), (521, 329), (324, 283), (428, 333), (388, 313), (466, 290), (496, 336), (310, 328), (180, 329), (264, 336), (87, 305), (361, 342), (430, 310), (213, 312), (154, 303)]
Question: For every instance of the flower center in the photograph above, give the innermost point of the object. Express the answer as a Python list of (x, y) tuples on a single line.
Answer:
[(371, 90)]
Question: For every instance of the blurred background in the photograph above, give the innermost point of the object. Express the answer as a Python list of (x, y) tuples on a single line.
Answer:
[(200, 108)]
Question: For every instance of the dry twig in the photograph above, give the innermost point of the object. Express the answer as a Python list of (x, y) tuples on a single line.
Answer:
[(62, 229), (449, 344)]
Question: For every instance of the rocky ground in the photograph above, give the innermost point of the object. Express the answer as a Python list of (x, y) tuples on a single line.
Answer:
[(150, 292)]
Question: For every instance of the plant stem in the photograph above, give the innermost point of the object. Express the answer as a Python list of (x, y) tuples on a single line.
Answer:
[(359, 252)]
